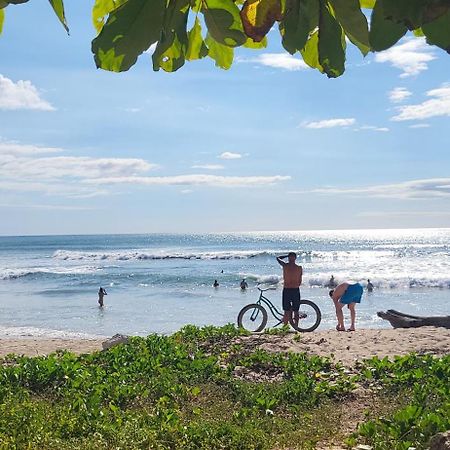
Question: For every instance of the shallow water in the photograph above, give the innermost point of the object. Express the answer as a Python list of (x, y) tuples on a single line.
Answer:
[(157, 283)]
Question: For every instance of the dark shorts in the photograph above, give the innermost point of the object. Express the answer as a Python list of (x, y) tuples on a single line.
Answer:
[(291, 299)]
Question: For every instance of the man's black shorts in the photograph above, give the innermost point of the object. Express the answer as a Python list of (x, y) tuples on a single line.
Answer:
[(291, 299)]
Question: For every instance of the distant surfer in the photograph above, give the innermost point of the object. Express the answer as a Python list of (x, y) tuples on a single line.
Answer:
[(243, 285), (346, 294), (332, 283), (101, 294), (292, 277), (216, 284), (369, 286)]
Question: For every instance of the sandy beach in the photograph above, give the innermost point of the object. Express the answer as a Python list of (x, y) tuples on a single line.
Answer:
[(346, 347)]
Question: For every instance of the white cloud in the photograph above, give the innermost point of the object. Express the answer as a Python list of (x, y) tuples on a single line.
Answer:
[(399, 94), (411, 56), (133, 110), (420, 125), (329, 123), (208, 166), (21, 95), (437, 105), (277, 61), (372, 128), (45, 207), (397, 214), (415, 189), (194, 180), (230, 155), (14, 148)]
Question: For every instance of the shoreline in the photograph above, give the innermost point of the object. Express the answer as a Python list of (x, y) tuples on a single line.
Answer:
[(347, 347)]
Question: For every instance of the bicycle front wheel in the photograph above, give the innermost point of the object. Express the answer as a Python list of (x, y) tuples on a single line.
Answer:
[(309, 317), (252, 318)]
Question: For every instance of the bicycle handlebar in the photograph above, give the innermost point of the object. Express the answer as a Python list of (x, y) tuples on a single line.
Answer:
[(271, 288)]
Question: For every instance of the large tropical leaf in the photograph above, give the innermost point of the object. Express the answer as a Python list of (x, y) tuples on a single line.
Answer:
[(101, 9), (384, 33), (438, 32), (331, 43), (224, 22), (353, 21), (58, 7), (300, 19), (197, 48), (310, 52), (221, 54), (258, 17), (414, 13), (170, 51), (128, 32)]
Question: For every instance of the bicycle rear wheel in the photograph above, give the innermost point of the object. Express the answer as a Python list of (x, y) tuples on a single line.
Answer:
[(310, 317), (252, 318)]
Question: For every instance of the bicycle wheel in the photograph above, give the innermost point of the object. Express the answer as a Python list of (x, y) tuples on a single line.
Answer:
[(252, 318), (310, 317)]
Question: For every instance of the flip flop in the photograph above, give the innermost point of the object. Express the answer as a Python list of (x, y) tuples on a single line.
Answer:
[(338, 328), (351, 329)]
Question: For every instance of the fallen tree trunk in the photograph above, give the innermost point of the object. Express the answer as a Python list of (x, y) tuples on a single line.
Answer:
[(401, 320)]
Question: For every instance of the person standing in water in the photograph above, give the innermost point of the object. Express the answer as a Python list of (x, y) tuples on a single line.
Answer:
[(292, 278), (216, 284), (332, 282), (369, 286), (101, 294), (346, 294), (244, 285)]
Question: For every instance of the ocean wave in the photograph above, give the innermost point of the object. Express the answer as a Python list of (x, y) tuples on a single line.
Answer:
[(32, 332), (12, 274), (70, 255), (263, 279)]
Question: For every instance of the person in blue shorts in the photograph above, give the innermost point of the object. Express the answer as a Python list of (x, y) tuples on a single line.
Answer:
[(346, 294)]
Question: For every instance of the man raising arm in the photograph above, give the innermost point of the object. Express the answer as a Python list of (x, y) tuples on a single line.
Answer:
[(292, 278)]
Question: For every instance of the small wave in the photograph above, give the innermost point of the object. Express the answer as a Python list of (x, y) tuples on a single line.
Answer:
[(264, 279), (69, 255), (31, 332), (12, 274)]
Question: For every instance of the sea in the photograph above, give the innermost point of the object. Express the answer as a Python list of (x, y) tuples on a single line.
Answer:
[(161, 282)]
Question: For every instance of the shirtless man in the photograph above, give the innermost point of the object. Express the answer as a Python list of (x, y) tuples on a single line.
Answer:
[(346, 294), (292, 277)]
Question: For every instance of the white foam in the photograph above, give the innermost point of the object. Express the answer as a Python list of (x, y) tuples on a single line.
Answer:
[(11, 274), (33, 332)]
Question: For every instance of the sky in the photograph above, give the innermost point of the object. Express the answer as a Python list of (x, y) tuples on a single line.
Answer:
[(267, 145)]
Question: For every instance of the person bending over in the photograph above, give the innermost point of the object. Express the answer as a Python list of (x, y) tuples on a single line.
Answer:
[(292, 278), (346, 294)]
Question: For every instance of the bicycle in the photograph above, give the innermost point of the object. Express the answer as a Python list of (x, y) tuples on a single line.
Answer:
[(309, 315)]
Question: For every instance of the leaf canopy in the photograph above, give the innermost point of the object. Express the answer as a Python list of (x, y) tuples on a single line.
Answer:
[(315, 30)]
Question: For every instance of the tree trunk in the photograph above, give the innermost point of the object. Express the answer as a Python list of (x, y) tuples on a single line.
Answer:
[(401, 320)]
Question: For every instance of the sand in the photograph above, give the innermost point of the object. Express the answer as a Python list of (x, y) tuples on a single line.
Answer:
[(345, 346)]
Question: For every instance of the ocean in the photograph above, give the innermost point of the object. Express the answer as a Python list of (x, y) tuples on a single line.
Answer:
[(160, 282)]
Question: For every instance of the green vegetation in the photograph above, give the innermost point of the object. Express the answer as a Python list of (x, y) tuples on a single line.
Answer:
[(316, 30), (204, 388)]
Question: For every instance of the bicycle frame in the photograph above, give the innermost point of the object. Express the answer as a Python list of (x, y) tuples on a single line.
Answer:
[(272, 308)]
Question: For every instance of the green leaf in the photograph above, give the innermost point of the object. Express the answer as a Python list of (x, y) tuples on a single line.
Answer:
[(171, 48), (224, 22), (418, 32), (2, 19), (258, 17), (384, 33), (250, 43), (331, 43), (128, 32), (368, 4), (414, 13), (300, 19), (222, 54), (3, 4), (353, 21), (101, 9), (196, 45), (310, 52), (438, 32), (16, 2), (58, 7)]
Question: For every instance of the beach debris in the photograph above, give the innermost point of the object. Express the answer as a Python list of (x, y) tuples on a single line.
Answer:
[(440, 441), (117, 339), (401, 320)]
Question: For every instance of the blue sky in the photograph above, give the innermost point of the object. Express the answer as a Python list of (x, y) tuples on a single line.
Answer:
[(267, 145)]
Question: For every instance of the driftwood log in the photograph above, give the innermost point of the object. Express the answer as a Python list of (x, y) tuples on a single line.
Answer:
[(401, 320)]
